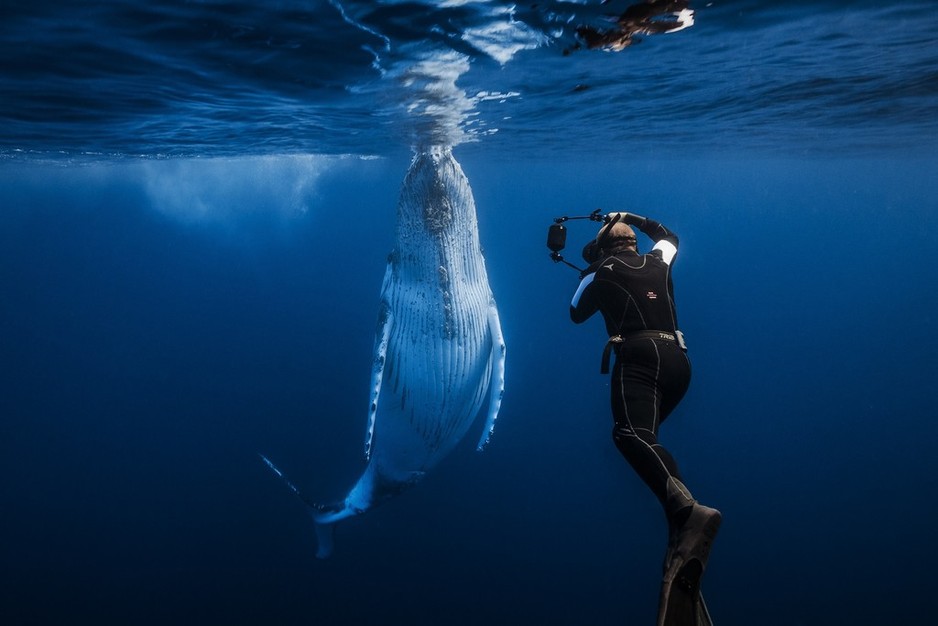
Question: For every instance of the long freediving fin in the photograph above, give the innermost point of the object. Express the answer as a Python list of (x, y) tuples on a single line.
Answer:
[(681, 603), (703, 614), (680, 597)]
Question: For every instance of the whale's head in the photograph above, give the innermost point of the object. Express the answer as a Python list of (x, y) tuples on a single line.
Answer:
[(436, 200), (437, 253)]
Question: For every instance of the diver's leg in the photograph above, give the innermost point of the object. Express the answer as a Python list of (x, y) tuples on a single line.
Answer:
[(654, 465), (647, 383), (637, 398)]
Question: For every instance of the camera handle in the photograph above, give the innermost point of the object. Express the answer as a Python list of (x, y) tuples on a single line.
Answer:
[(557, 235), (556, 257)]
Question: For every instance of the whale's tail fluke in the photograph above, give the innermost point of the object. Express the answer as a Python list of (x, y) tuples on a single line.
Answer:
[(325, 529), (324, 516)]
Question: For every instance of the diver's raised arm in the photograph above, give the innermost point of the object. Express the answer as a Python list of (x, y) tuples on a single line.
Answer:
[(665, 240), (655, 230), (584, 304)]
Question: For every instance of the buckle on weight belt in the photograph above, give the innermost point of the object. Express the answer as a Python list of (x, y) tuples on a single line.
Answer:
[(613, 341)]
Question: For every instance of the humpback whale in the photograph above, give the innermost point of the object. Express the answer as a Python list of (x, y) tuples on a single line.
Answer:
[(439, 351)]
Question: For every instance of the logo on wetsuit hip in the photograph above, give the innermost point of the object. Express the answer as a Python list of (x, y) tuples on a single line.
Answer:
[(652, 295)]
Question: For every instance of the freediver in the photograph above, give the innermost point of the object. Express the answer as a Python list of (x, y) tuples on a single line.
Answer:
[(637, 19), (635, 295)]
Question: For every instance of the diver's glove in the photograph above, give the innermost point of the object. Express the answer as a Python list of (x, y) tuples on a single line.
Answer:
[(628, 218)]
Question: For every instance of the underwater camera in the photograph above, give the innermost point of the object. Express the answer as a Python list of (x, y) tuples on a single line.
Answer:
[(557, 234)]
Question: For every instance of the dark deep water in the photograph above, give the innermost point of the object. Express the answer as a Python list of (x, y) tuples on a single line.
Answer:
[(164, 320)]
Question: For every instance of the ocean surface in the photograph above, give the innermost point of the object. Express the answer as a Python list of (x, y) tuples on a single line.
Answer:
[(197, 201)]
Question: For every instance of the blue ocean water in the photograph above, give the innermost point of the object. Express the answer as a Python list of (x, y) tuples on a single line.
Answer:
[(196, 206)]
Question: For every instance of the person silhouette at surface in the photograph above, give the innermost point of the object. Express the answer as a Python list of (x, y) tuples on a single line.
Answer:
[(635, 295), (644, 18)]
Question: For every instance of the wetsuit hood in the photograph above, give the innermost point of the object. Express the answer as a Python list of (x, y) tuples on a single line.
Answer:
[(592, 252)]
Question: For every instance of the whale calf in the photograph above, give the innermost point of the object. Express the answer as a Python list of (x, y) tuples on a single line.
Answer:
[(439, 351)]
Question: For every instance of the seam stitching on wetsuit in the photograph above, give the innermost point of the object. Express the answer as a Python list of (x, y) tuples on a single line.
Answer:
[(631, 300), (625, 403), (657, 374), (631, 267), (632, 430)]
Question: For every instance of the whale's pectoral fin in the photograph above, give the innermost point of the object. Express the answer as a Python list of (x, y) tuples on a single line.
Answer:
[(497, 382), (276, 470), (382, 336)]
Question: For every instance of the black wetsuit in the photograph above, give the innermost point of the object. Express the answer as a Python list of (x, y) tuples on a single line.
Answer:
[(652, 372)]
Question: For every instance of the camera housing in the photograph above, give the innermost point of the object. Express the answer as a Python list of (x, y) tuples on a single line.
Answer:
[(556, 237)]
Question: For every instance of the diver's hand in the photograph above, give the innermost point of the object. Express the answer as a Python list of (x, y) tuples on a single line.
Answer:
[(627, 218)]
